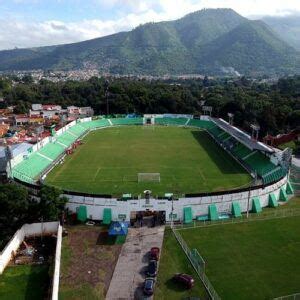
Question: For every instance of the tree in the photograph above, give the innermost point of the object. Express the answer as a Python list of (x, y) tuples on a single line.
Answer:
[(51, 203)]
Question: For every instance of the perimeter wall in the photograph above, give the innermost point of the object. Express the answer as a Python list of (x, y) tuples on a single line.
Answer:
[(121, 209)]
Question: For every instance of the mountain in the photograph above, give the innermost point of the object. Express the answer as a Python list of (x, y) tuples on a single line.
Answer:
[(210, 41), (287, 27)]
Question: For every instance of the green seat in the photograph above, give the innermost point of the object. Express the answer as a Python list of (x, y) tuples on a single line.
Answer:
[(127, 121), (200, 123)]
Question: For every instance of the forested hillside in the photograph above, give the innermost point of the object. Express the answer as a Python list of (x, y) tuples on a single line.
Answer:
[(275, 107), (211, 41)]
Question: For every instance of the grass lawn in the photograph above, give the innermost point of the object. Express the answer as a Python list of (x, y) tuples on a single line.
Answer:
[(292, 145), (87, 263), (24, 282), (187, 159), (256, 260), (173, 260)]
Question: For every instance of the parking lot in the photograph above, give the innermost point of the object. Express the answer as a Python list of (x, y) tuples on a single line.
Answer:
[(129, 274)]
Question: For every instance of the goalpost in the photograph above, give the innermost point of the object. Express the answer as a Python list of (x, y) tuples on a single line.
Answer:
[(148, 177)]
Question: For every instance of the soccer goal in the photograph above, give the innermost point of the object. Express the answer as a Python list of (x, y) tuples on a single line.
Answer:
[(148, 177)]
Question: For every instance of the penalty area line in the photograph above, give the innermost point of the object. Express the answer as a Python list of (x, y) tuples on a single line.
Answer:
[(95, 176)]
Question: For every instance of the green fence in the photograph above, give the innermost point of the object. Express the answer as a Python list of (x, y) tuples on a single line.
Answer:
[(198, 264)]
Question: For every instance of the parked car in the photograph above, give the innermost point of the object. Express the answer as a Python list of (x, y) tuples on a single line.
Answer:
[(152, 268), (149, 286), (187, 280), (154, 253)]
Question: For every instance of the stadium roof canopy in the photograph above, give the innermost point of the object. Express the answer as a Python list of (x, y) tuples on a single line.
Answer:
[(242, 137)]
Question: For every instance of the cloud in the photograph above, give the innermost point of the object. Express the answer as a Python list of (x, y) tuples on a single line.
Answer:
[(125, 15), (21, 34)]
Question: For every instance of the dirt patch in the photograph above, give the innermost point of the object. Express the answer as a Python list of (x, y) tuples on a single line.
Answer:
[(35, 250), (89, 257)]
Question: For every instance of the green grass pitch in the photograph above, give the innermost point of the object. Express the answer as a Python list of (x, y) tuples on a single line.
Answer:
[(109, 161), (24, 282), (255, 260)]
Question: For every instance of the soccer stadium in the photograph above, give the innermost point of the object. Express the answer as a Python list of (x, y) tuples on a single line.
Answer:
[(205, 166), (201, 176)]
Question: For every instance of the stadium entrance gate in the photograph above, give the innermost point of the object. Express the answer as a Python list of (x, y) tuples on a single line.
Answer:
[(147, 218)]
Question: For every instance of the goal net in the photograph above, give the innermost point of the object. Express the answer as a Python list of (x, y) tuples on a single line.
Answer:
[(148, 177)]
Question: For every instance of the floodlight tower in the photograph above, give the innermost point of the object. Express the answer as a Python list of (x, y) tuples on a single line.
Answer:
[(255, 131), (230, 116), (207, 110)]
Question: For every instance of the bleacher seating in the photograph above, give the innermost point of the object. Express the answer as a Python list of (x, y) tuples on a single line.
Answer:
[(274, 176), (260, 163), (78, 130), (216, 132), (32, 166), (200, 123), (171, 121), (241, 151), (254, 159), (127, 121), (29, 169), (95, 124), (52, 150)]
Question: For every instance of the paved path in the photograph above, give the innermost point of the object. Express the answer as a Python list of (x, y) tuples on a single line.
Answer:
[(129, 274)]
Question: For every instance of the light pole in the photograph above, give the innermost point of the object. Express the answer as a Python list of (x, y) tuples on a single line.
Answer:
[(230, 116)]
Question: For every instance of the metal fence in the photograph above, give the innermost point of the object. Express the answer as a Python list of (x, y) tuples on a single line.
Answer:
[(198, 263), (274, 214), (289, 297)]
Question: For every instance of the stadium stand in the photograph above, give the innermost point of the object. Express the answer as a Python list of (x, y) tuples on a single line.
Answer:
[(127, 121), (273, 176), (259, 163), (200, 123), (30, 168), (95, 124), (52, 150), (241, 151), (171, 121), (216, 132)]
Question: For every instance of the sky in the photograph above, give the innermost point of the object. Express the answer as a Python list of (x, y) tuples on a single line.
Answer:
[(32, 23)]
